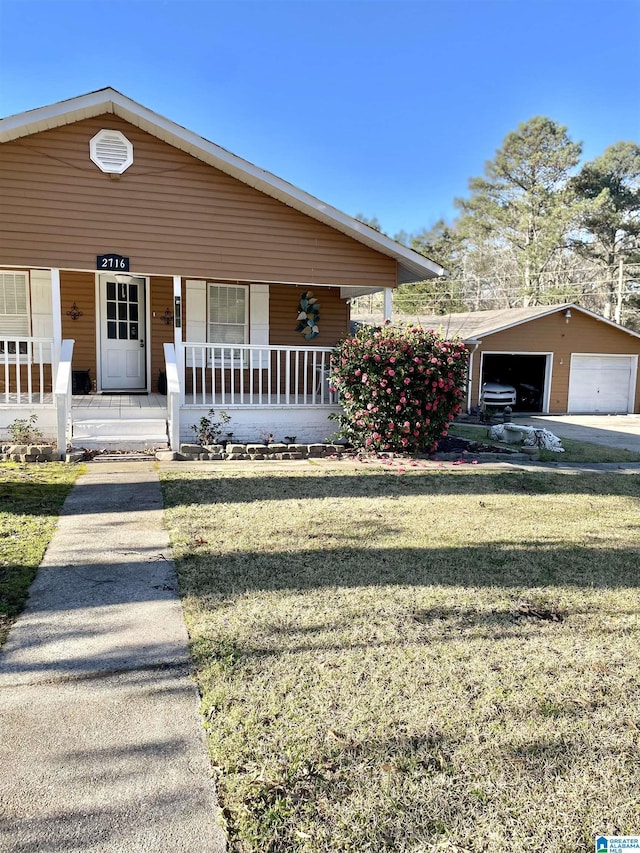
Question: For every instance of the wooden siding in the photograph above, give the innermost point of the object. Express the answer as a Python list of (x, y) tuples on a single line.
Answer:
[(582, 334), (283, 310), (169, 212), (160, 332), (80, 287)]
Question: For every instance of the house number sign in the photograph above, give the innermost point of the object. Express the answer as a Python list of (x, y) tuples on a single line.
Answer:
[(116, 263)]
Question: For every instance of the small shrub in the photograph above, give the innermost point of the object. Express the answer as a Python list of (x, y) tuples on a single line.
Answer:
[(24, 431), (208, 430), (399, 388)]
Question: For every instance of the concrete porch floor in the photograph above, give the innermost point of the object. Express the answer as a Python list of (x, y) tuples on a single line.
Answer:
[(119, 406)]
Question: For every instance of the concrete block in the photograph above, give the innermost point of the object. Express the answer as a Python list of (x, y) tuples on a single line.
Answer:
[(191, 448)]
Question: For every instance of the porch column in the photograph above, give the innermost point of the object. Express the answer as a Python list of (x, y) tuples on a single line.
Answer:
[(387, 303), (56, 321), (178, 323)]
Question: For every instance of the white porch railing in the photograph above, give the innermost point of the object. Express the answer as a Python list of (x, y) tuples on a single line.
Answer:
[(173, 396), (26, 371), (62, 393), (256, 375)]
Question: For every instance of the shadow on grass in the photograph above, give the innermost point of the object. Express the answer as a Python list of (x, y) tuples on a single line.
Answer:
[(493, 565)]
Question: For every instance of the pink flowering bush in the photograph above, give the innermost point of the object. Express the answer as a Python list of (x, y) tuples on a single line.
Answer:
[(399, 388)]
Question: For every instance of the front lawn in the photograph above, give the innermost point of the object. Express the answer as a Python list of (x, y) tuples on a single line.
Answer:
[(435, 660), (31, 497)]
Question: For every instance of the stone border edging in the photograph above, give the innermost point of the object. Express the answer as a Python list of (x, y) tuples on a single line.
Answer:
[(26, 453), (277, 451), (249, 452)]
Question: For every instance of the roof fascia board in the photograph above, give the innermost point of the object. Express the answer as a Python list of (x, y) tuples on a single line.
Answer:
[(413, 267), (55, 115)]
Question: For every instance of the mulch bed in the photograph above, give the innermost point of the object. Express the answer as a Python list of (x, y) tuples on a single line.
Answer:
[(451, 444)]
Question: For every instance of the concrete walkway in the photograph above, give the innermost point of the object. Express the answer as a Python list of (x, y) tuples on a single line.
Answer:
[(101, 746)]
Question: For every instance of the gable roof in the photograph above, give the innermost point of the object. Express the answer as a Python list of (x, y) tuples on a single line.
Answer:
[(475, 325), (412, 267)]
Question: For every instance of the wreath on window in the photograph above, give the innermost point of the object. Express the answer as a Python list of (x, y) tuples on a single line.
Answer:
[(308, 316)]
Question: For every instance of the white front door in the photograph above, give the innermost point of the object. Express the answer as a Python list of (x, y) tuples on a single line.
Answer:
[(122, 330)]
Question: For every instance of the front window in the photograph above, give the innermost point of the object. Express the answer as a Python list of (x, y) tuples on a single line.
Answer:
[(227, 314)]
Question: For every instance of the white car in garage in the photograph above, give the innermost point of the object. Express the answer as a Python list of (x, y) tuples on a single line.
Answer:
[(497, 394)]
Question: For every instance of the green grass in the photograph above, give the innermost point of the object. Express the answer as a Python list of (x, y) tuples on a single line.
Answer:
[(370, 679), (31, 497), (575, 451)]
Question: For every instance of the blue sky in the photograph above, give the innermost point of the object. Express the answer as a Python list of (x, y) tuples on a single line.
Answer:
[(376, 107)]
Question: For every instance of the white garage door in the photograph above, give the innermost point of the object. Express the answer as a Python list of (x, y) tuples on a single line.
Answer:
[(601, 383)]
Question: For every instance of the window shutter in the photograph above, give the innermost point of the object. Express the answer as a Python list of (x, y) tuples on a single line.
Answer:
[(14, 304), (42, 309), (196, 314), (259, 322)]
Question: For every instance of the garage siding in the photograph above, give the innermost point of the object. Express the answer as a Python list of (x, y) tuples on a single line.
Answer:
[(552, 333)]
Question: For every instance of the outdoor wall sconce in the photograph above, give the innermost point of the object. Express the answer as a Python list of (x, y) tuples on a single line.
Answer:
[(167, 317), (567, 315), (74, 312)]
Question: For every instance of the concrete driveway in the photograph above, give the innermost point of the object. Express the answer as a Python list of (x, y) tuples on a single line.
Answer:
[(621, 431)]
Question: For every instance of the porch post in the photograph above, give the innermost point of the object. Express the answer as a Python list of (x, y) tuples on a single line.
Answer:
[(179, 318), (56, 321), (387, 303)]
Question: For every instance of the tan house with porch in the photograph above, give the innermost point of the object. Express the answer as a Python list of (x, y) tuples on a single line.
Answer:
[(156, 275)]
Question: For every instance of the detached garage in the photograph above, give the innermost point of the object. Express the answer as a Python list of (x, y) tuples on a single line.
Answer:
[(560, 359)]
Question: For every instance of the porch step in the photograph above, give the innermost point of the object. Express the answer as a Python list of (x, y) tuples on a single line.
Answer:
[(130, 434)]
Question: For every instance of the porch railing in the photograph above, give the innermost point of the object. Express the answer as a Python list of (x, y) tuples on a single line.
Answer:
[(26, 376), (62, 392), (256, 375)]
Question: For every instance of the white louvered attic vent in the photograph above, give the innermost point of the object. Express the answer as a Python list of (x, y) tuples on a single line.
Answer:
[(111, 151)]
